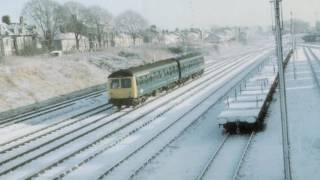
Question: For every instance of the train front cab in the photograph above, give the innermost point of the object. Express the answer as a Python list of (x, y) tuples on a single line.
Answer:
[(122, 91)]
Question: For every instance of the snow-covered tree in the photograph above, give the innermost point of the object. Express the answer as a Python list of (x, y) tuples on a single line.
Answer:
[(132, 23), (47, 15), (75, 16), (318, 26), (99, 21)]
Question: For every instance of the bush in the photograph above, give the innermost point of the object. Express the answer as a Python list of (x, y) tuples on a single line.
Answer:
[(311, 38), (128, 54), (176, 50), (31, 51)]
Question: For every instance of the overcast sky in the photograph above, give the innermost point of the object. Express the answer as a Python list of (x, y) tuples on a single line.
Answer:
[(196, 13)]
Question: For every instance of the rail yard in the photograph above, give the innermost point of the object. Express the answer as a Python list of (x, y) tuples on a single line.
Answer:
[(88, 138)]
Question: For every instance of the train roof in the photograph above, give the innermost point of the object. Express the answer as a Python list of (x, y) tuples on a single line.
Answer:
[(139, 69), (134, 70)]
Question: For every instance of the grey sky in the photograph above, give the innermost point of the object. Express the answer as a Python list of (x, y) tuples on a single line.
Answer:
[(185, 13)]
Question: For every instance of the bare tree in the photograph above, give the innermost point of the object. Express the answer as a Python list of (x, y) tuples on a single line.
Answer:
[(150, 34), (99, 20), (317, 27), (131, 23), (6, 19), (75, 16), (46, 15)]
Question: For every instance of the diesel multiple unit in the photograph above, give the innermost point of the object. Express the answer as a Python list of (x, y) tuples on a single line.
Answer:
[(133, 86)]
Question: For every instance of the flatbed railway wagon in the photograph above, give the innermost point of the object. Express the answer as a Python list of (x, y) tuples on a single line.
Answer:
[(245, 113), (130, 87)]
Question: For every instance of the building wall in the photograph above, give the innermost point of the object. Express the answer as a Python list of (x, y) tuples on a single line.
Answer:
[(6, 44), (126, 41), (21, 42), (68, 44)]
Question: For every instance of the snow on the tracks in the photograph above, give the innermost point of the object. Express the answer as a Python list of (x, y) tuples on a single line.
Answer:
[(265, 159)]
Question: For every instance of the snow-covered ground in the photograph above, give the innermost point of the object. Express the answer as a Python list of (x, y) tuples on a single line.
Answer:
[(264, 160), (156, 119), (26, 80)]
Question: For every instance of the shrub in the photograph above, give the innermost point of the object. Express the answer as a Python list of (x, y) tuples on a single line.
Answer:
[(31, 51), (176, 50), (128, 54)]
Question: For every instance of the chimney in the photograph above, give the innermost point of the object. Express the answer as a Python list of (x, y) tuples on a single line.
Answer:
[(21, 20)]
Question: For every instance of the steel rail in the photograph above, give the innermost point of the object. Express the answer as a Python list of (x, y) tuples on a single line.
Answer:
[(108, 147), (79, 136), (110, 169), (243, 156), (46, 110)]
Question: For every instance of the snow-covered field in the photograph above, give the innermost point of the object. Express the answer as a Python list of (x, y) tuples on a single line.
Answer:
[(303, 97), (27, 80), (173, 135), (79, 147)]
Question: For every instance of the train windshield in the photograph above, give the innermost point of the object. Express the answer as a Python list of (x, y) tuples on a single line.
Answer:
[(115, 83), (120, 83), (125, 83)]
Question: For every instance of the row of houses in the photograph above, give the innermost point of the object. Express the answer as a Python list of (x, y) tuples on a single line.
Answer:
[(197, 35), (66, 42), (15, 37)]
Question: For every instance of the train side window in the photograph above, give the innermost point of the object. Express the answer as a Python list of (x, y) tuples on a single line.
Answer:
[(142, 79), (138, 81), (125, 83), (115, 84)]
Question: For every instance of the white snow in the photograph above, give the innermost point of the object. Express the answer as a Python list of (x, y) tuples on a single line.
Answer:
[(265, 159)]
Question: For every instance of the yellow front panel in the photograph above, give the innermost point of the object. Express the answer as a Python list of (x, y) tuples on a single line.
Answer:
[(123, 93), (120, 93)]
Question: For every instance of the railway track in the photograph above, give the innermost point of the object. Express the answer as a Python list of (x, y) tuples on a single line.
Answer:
[(165, 146), (29, 160), (4, 123), (223, 148), (313, 70), (65, 123), (60, 122), (80, 150), (243, 156), (110, 169), (58, 106), (59, 127), (211, 158)]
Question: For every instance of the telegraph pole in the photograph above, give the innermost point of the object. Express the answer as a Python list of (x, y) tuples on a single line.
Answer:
[(283, 103), (292, 31), (293, 39)]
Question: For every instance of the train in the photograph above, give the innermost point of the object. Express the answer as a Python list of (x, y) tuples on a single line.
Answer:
[(133, 86)]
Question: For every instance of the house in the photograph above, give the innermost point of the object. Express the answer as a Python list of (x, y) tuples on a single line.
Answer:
[(6, 43), (212, 38), (170, 38), (15, 37), (193, 37), (125, 40), (66, 42), (23, 36)]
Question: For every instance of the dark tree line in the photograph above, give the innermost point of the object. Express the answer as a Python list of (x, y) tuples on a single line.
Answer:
[(94, 22)]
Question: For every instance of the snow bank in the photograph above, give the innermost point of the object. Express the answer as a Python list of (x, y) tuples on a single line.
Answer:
[(28, 80)]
